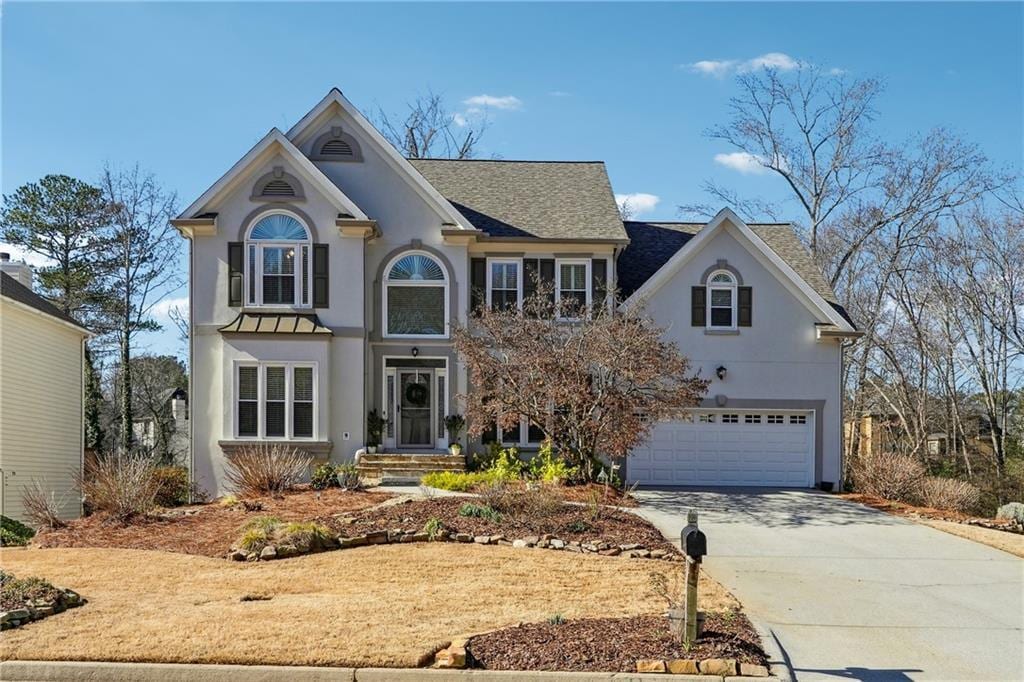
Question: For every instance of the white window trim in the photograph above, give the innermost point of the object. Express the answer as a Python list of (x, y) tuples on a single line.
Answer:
[(386, 286), (732, 288), (524, 441), (519, 279), (559, 262), (261, 402), (254, 299)]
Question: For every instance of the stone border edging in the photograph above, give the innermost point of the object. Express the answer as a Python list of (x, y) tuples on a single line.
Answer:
[(75, 671), (39, 609)]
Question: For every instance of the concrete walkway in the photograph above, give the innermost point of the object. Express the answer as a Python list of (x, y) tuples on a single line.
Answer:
[(842, 591)]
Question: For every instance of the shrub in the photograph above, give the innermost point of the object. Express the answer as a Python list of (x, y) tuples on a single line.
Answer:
[(173, 487), (324, 476), (516, 503), (228, 501), (547, 467), (347, 476), (1013, 511), (888, 474), (265, 469), (948, 493), (124, 486), (16, 593), (434, 527), (506, 466), (263, 531), (479, 512), (556, 619), (459, 481), (14, 533), (41, 506)]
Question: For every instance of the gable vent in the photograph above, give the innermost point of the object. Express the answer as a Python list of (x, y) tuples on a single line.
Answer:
[(336, 148), (278, 188)]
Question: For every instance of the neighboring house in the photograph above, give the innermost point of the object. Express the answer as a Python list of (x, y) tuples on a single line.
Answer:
[(41, 394), (880, 432), (164, 432), (327, 272)]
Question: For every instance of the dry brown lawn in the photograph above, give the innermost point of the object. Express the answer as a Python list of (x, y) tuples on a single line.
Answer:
[(371, 606), (1000, 539)]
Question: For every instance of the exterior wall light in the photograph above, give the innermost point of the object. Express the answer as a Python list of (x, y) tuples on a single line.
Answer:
[(720, 372), (415, 351)]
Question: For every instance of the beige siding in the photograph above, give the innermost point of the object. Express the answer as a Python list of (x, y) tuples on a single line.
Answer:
[(40, 407)]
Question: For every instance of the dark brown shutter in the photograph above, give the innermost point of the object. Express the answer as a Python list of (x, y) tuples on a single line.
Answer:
[(599, 283), (745, 307), (477, 282), (321, 276), (531, 266), (547, 274), (698, 306), (236, 269)]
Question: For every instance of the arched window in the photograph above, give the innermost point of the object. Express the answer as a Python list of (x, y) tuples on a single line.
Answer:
[(415, 296), (278, 271), (722, 299)]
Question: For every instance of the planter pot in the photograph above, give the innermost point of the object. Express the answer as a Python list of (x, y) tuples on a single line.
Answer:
[(455, 449), (371, 449)]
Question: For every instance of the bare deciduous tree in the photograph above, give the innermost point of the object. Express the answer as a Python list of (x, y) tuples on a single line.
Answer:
[(594, 386), (430, 130)]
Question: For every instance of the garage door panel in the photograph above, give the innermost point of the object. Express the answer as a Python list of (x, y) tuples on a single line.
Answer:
[(748, 453)]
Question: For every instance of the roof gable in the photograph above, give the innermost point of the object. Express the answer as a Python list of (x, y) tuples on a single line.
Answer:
[(530, 199), (656, 241), (335, 100), (273, 142)]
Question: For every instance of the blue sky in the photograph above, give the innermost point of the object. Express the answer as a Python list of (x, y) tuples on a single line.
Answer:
[(186, 88)]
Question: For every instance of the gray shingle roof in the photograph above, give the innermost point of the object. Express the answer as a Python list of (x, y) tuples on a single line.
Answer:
[(540, 199), (652, 244), (16, 291)]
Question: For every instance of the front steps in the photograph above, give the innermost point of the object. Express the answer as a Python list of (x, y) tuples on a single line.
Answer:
[(392, 468)]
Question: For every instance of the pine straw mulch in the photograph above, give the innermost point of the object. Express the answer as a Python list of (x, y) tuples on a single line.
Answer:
[(912, 511), (612, 644), (207, 529), (582, 523)]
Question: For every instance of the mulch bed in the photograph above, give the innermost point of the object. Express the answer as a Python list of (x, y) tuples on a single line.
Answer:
[(909, 510), (208, 529), (612, 644), (566, 521)]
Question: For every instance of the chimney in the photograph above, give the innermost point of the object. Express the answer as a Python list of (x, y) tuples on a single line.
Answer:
[(19, 270)]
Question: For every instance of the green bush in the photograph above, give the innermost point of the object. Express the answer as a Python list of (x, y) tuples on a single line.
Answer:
[(14, 533), (479, 511), (324, 476), (434, 527), (547, 467), (459, 481), (507, 466)]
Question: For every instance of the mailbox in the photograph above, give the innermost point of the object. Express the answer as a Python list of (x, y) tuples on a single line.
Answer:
[(695, 545)]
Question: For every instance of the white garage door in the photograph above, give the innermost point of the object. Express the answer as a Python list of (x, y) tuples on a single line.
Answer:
[(728, 447)]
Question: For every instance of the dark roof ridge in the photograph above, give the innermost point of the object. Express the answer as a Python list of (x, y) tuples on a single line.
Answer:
[(19, 293), (698, 222)]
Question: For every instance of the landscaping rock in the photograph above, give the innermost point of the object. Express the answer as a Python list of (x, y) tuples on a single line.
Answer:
[(611, 551), (752, 670), (452, 657), (286, 551), (626, 548), (658, 553), (643, 553), (464, 537), (650, 665), (345, 543), (237, 555), (268, 552), (482, 539), (542, 543), (495, 539), (557, 544), (683, 666), (718, 666), (377, 537), (420, 537), (17, 615), (519, 544), (531, 540)]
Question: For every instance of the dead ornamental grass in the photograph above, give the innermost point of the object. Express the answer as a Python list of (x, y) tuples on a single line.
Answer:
[(370, 606)]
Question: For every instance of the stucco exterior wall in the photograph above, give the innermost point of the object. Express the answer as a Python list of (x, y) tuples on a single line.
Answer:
[(40, 408), (778, 359)]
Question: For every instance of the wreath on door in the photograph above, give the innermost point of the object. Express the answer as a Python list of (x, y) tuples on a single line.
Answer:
[(416, 394)]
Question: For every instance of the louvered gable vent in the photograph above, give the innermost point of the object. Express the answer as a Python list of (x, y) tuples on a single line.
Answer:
[(336, 148), (278, 188)]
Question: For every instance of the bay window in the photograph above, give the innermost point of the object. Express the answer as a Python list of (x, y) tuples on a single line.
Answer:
[(275, 400)]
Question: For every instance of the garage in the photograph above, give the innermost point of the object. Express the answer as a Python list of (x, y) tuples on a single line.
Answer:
[(728, 448)]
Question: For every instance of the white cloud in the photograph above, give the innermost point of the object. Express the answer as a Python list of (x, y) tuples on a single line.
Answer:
[(163, 308), (459, 120), (638, 203), (18, 253), (508, 102), (560, 93), (719, 68), (748, 164)]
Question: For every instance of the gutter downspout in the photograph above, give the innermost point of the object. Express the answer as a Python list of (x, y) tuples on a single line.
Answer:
[(191, 371)]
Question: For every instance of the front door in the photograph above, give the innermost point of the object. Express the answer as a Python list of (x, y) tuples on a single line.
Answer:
[(415, 407)]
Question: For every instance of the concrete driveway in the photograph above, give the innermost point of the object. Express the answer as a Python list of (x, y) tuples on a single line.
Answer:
[(842, 591)]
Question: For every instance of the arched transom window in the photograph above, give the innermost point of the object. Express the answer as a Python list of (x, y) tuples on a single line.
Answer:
[(722, 299), (415, 296), (278, 271)]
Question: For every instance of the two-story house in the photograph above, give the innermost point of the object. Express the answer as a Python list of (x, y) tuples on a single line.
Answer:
[(327, 272)]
